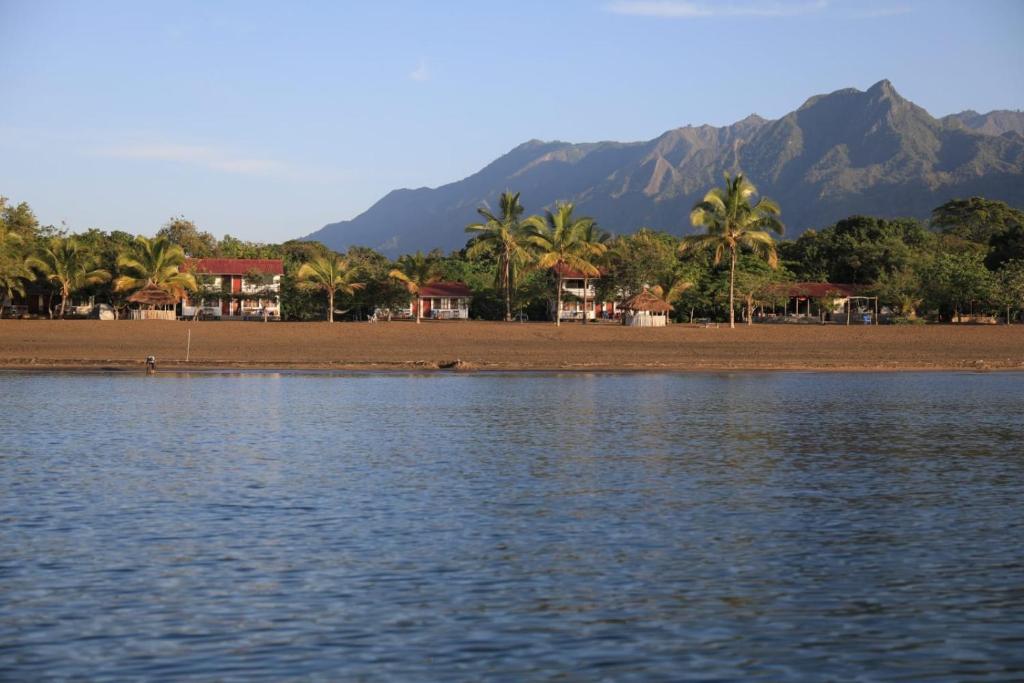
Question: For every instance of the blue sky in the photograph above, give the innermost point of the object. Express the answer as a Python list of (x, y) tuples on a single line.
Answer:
[(268, 120)]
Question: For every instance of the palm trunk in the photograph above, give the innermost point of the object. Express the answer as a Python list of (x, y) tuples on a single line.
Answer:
[(419, 308), (558, 303), (586, 283), (330, 305), (508, 289), (63, 301), (732, 290)]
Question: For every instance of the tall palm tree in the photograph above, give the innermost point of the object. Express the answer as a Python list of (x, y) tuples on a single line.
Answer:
[(504, 234), (733, 224), (415, 271), (153, 262), (593, 241), (557, 240), (330, 274), (67, 264), (13, 269)]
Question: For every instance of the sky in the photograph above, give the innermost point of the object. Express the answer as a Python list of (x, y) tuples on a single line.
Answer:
[(268, 120)]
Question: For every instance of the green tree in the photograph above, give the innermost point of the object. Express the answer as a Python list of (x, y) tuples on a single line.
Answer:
[(975, 219), (757, 284), (1009, 289), (1004, 246), (858, 249), (153, 262), (901, 290), (14, 271), (381, 290), (504, 235), (415, 271), (644, 258), (20, 220), (734, 225), (956, 281), (330, 274), (558, 240), (185, 234), (69, 266)]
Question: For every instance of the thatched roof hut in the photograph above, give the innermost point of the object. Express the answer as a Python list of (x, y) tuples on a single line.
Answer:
[(646, 309), (647, 301), (153, 295)]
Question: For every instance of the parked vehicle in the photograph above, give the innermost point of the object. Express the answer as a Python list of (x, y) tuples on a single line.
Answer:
[(103, 312)]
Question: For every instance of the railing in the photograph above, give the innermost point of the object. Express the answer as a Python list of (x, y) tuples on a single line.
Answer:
[(146, 314), (449, 313)]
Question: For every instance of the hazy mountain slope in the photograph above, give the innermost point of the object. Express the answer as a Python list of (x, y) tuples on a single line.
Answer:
[(838, 154), (993, 123)]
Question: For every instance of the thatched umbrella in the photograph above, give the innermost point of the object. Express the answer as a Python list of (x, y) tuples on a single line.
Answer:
[(152, 295), (647, 301)]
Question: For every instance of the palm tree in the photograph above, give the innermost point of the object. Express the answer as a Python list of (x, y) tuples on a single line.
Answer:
[(415, 271), (504, 234), (67, 264), (593, 240), (672, 288), (13, 270), (153, 262), (557, 240), (330, 274), (733, 225)]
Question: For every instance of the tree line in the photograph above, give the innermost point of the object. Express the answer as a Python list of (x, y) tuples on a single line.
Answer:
[(968, 258)]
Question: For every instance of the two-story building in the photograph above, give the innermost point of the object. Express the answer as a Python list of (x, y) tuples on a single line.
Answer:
[(236, 289), (577, 287)]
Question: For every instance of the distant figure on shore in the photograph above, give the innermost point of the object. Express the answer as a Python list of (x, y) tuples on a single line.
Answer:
[(150, 365)]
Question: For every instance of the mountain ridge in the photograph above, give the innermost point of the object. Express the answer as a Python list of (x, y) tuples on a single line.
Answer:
[(839, 153)]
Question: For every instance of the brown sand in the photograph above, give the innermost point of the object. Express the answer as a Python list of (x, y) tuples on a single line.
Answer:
[(506, 346)]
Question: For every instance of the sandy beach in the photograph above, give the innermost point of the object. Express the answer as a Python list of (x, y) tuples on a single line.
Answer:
[(86, 344)]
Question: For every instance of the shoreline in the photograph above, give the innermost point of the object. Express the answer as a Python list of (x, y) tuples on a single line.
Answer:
[(214, 370), (486, 347)]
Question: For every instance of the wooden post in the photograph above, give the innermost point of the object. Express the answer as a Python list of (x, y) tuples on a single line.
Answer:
[(188, 344)]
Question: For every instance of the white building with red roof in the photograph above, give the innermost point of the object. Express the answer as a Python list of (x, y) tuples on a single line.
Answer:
[(443, 301), (577, 287), (232, 288)]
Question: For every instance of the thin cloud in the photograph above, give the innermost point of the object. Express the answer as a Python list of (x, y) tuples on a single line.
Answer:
[(197, 155), (421, 73), (883, 12), (680, 9)]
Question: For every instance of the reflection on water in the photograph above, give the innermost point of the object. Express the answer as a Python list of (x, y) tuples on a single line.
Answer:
[(436, 527)]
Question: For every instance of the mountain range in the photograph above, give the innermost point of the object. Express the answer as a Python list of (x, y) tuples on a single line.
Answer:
[(847, 152)]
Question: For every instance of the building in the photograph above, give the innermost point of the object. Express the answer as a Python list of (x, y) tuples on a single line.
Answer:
[(443, 301), (236, 289), (575, 287), (823, 300)]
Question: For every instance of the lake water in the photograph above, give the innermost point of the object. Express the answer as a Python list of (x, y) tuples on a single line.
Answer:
[(512, 527)]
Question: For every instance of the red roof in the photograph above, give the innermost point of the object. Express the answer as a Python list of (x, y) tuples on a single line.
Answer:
[(235, 266), (567, 272), (818, 290), (445, 289)]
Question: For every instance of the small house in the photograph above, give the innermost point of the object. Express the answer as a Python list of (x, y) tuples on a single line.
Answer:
[(443, 301)]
